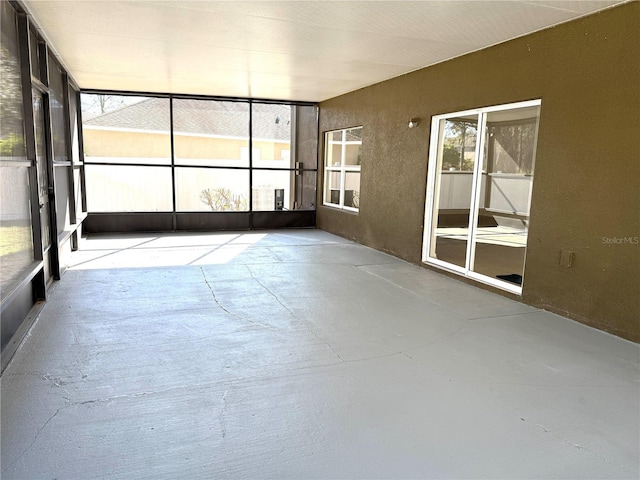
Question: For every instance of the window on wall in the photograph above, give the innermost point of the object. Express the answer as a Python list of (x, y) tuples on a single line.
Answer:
[(342, 159)]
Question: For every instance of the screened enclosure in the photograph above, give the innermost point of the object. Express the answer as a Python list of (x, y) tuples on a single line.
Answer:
[(197, 163)]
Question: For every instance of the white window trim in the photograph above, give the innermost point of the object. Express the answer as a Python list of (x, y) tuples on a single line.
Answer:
[(342, 168)]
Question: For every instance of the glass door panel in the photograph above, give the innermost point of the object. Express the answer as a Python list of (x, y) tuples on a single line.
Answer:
[(502, 206), (456, 163)]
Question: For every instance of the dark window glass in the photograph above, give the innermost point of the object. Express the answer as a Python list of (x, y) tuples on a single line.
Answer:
[(12, 144), (16, 244), (61, 175), (73, 125), (34, 49), (77, 182), (56, 109)]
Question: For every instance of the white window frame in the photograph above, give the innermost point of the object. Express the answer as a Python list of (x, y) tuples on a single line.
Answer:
[(341, 168)]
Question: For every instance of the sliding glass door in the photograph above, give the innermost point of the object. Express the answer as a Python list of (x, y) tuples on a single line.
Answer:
[(479, 192)]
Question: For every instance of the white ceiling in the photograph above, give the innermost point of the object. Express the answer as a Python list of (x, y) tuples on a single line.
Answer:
[(289, 50)]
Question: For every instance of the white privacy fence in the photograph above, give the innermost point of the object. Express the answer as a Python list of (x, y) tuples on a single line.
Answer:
[(508, 193)]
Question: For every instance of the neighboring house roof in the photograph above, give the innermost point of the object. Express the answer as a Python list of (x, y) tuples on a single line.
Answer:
[(86, 115), (201, 117)]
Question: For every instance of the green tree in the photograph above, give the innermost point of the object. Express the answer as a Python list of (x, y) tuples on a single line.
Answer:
[(12, 146), (460, 136)]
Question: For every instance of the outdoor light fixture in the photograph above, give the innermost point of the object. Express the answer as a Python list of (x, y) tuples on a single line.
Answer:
[(414, 122)]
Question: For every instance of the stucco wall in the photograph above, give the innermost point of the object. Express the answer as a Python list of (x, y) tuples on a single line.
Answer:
[(587, 175), (118, 143), (110, 143)]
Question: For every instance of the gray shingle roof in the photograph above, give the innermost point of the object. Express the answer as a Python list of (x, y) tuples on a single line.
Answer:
[(224, 118)]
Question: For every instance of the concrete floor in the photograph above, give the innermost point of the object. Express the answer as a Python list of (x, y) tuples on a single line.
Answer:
[(298, 354)]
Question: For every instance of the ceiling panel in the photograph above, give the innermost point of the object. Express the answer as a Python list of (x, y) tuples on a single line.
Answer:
[(290, 50)]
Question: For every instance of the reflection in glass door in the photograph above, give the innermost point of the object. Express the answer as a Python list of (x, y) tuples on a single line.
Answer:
[(479, 192), (457, 154)]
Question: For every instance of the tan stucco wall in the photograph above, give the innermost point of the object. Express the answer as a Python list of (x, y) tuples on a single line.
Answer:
[(587, 174), (115, 143), (110, 143), (203, 147)]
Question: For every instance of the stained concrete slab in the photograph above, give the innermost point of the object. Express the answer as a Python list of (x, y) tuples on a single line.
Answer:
[(299, 354)]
